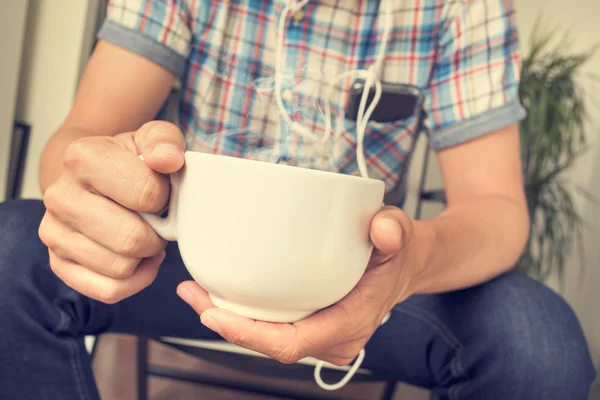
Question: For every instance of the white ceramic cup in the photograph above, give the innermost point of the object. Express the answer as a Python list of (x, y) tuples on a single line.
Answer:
[(268, 241)]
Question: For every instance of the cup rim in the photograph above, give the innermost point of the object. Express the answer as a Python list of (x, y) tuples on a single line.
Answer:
[(294, 169)]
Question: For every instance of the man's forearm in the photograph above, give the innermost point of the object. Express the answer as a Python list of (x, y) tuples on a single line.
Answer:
[(467, 244), (52, 156)]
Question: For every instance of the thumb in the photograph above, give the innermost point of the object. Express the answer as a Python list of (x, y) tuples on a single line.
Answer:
[(391, 230), (162, 145)]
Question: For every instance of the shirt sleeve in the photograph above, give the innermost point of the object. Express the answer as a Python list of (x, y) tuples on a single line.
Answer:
[(474, 87), (156, 29)]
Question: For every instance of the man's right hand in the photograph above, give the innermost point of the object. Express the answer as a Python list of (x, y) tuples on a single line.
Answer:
[(98, 244)]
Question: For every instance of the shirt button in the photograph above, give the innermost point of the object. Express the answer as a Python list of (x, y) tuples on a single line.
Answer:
[(287, 96), (298, 16)]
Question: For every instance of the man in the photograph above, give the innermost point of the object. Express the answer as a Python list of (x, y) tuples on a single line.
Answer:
[(461, 323)]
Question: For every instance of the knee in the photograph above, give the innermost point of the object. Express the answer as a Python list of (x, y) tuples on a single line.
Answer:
[(19, 223), (31, 295), (20, 218), (21, 250), (535, 340)]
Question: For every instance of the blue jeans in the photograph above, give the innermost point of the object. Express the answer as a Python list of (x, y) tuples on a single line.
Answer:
[(511, 338)]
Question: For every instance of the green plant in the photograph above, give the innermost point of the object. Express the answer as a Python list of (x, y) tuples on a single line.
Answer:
[(552, 137)]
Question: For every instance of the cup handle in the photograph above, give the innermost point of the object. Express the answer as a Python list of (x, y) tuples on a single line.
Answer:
[(166, 227)]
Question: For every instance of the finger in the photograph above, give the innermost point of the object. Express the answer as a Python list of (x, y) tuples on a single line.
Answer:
[(195, 296), (110, 167), (391, 230), (103, 288), (289, 343), (274, 340), (286, 343), (101, 220), (277, 341), (162, 144), (73, 246)]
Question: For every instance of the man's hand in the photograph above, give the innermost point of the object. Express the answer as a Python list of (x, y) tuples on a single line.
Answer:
[(98, 244), (337, 333)]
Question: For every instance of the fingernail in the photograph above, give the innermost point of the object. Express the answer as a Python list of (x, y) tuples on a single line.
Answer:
[(160, 257), (391, 227), (210, 323), (185, 294), (167, 149)]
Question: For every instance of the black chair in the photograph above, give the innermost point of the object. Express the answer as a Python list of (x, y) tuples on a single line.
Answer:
[(242, 360), (19, 145)]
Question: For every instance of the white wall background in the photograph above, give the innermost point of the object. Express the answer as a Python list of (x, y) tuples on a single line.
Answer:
[(12, 31), (57, 40)]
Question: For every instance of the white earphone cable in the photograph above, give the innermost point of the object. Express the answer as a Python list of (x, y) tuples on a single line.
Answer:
[(372, 79), (344, 380)]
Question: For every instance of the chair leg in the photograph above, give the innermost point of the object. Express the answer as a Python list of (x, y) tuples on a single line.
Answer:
[(390, 389), (142, 368)]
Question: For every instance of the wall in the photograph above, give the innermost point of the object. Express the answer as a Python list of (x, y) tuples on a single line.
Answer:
[(580, 18), (12, 31), (57, 40)]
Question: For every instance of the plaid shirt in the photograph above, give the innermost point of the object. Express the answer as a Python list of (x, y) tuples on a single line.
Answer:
[(461, 56)]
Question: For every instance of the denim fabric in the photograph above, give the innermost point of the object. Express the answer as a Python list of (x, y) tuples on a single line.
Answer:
[(511, 338)]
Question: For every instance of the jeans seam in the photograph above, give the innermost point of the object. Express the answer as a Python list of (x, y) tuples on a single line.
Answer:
[(455, 390), (75, 360), (450, 339), (82, 388)]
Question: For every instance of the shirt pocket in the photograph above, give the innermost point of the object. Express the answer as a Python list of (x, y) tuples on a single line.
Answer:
[(388, 147)]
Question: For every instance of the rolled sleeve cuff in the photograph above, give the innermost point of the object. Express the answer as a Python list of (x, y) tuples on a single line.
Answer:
[(480, 125), (143, 45)]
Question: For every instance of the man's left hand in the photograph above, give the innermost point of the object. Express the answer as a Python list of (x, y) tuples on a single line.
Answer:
[(337, 333)]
